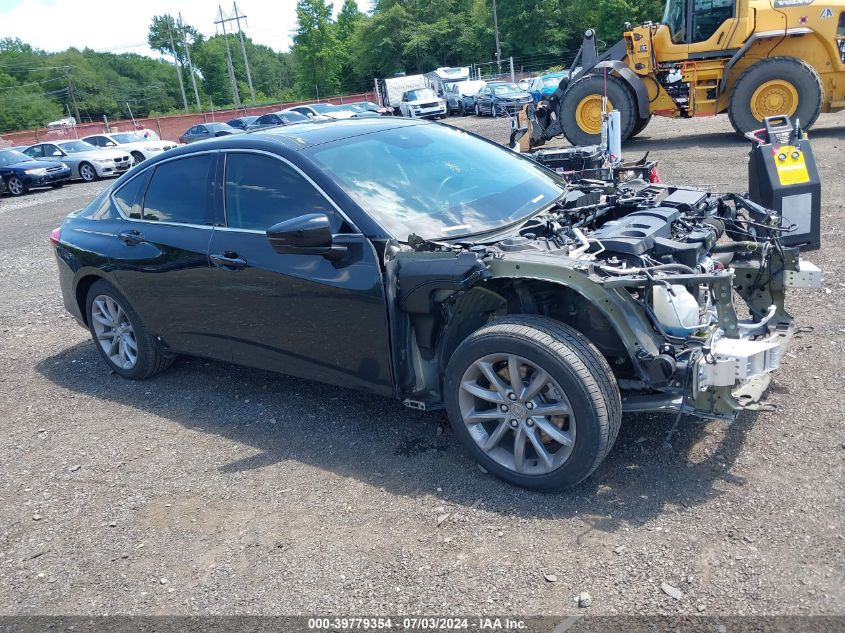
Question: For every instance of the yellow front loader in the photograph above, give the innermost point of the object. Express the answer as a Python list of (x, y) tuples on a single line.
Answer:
[(749, 58)]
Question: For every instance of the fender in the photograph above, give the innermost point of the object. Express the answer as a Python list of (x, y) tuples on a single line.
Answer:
[(756, 37), (634, 330)]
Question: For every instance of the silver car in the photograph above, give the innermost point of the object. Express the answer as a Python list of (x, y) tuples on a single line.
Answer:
[(86, 161)]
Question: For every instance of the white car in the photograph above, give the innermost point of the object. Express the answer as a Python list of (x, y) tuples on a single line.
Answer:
[(86, 161), (422, 102), (316, 110), (139, 147)]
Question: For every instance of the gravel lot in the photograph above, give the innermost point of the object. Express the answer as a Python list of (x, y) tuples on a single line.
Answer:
[(213, 489)]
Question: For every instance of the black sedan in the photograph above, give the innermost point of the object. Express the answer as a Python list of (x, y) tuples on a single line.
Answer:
[(241, 123), (497, 99), (205, 131), (418, 261), (20, 173), (284, 117)]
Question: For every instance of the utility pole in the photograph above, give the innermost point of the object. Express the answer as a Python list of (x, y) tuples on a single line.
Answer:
[(234, 83), (243, 50), (178, 67), (496, 30), (190, 65), (72, 91)]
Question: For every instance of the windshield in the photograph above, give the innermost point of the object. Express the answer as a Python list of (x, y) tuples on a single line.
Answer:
[(218, 126), (10, 157), (323, 108), (129, 137), (674, 18), (550, 82), (502, 89), (75, 147), (350, 107), (467, 88), (292, 117), (422, 93), (436, 181)]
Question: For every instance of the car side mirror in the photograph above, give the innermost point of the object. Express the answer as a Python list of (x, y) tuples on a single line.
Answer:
[(309, 234), (57, 153), (111, 144)]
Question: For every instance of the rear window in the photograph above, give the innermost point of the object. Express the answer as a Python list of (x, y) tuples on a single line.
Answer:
[(180, 191)]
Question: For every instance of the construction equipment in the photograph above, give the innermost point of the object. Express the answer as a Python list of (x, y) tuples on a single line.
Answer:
[(782, 176), (749, 58)]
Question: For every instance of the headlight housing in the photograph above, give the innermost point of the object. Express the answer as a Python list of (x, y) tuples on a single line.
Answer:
[(38, 171), (103, 161)]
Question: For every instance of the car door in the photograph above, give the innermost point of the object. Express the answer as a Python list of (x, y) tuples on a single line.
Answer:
[(98, 141), (161, 260), (299, 314), (483, 99)]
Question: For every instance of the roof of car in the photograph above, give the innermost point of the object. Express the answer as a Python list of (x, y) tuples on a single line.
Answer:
[(309, 134)]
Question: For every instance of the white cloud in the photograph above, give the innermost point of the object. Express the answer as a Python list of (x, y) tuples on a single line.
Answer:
[(122, 25)]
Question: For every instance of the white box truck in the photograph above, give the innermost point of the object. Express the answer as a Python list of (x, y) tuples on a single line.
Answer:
[(391, 89)]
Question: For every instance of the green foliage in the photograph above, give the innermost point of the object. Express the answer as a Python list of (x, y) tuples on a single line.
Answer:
[(316, 48)]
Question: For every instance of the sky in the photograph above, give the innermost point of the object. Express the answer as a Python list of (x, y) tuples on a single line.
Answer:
[(121, 26)]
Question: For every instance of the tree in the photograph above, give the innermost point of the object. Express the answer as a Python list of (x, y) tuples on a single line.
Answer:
[(348, 21), (316, 49)]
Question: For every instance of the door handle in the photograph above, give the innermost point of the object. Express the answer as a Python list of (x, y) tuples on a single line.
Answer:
[(132, 237), (228, 260)]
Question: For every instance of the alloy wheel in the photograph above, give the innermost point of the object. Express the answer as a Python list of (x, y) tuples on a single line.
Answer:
[(87, 172), (114, 331), (15, 186), (517, 414)]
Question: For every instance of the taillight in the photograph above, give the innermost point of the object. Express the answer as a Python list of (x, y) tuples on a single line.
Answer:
[(56, 236), (653, 176)]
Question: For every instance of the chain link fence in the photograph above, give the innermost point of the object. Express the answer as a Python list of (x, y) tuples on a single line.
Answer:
[(167, 127)]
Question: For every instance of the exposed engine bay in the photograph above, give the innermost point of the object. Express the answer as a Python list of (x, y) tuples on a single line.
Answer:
[(649, 273)]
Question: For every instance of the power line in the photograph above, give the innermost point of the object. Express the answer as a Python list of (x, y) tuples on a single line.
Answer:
[(222, 23)]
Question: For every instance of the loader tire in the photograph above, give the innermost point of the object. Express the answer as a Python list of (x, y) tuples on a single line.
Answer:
[(640, 125), (580, 109), (776, 86)]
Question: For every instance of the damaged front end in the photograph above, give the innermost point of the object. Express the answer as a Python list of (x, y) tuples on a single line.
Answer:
[(682, 291)]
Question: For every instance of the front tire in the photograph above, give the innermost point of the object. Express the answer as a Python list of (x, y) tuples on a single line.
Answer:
[(581, 108), (88, 173), (552, 424), (775, 86), (119, 334), (137, 158), (16, 186), (640, 125)]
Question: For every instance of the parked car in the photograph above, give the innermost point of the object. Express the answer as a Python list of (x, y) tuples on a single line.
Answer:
[(427, 264), (205, 131), (500, 98), (524, 83), (138, 147), (329, 110), (460, 96), (86, 161), (357, 111), (422, 103), (543, 87), (283, 117), (242, 123), (19, 173), (373, 107)]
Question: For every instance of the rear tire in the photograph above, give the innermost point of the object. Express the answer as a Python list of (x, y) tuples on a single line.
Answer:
[(126, 325), (577, 379), (789, 79), (579, 103), (640, 125)]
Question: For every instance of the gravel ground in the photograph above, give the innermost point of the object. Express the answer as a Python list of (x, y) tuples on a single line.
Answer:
[(213, 489)]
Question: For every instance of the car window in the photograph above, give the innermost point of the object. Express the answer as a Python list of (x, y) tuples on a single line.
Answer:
[(34, 152), (436, 181), (201, 129), (128, 196), (180, 191), (262, 191), (50, 150)]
